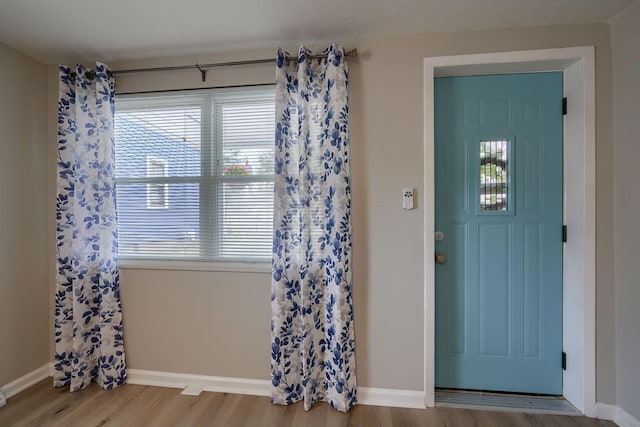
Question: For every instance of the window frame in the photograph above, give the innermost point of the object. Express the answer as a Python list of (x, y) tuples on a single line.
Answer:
[(210, 180)]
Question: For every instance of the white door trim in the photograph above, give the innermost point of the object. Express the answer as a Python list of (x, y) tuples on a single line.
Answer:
[(579, 326)]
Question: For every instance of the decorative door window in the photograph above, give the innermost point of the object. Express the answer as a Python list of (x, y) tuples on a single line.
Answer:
[(495, 176)]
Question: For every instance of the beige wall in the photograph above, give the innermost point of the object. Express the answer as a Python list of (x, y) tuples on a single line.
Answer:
[(24, 308), (217, 323), (625, 38)]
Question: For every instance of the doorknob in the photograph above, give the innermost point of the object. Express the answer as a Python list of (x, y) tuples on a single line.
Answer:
[(440, 258)]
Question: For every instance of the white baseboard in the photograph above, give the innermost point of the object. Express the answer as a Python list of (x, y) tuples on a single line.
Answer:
[(605, 411), (391, 397), (614, 413), (191, 383), (625, 419), (204, 382), (26, 381)]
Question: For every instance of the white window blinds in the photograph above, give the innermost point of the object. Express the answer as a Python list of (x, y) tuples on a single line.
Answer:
[(194, 175)]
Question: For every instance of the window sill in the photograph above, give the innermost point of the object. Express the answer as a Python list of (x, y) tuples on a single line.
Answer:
[(239, 267)]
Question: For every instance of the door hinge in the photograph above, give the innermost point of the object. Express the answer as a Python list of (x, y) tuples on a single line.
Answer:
[(564, 361), (564, 234), (564, 106)]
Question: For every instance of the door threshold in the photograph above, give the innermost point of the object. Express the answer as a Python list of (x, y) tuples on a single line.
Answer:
[(490, 401)]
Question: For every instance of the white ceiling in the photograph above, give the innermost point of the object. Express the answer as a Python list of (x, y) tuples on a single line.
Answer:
[(54, 31)]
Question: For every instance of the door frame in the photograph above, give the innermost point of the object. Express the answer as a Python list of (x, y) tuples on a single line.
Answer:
[(579, 204)]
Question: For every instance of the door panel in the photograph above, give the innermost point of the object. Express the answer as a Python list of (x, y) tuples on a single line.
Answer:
[(494, 290), (498, 158)]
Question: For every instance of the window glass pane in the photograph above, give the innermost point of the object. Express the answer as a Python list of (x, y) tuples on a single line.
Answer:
[(164, 133), (247, 146), (194, 174), (247, 219), (159, 233), (494, 175)]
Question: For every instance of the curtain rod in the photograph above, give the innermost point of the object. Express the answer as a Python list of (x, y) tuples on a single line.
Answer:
[(352, 54)]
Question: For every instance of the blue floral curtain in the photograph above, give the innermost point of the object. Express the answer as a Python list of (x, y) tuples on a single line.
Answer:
[(88, 318), (312, 331)]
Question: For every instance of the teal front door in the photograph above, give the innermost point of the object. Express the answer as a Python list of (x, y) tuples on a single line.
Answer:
[(498, 221)]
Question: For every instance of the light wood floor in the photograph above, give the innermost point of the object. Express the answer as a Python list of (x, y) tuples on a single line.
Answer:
[(133, 405)]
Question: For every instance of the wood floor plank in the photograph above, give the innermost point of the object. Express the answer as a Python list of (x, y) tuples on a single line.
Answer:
[(142, 406), (407, 417), (180, 410), (54, 409), (500, 418), (258, 407), (100, 406), (372, 416), (281, 415), (24, 402), (131, 415), (233, 412), (200, 413)]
